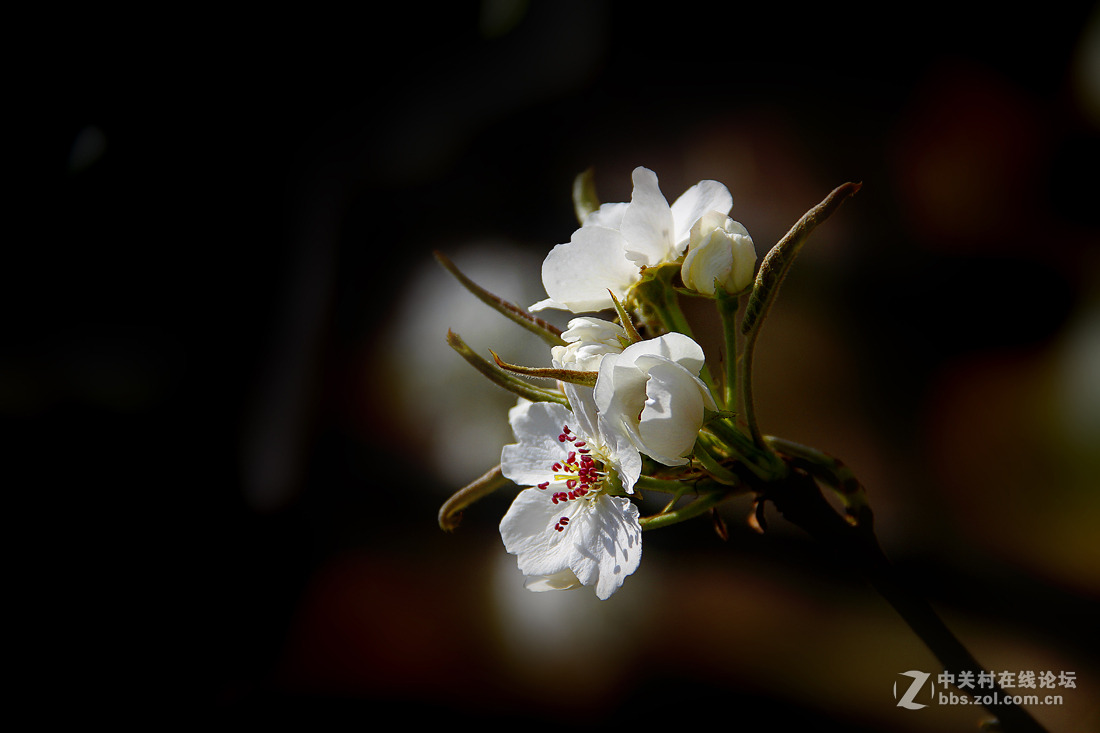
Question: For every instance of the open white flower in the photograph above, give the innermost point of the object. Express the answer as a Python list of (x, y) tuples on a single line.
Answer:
[(618, 239), (719, 249), (651, 394), (567, 530)]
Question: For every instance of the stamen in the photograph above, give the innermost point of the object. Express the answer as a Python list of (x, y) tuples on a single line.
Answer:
[(579, 471)]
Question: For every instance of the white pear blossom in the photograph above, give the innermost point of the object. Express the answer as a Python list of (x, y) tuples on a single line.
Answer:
[(721, 249), (567, 530), (652, 396), (608, 251)]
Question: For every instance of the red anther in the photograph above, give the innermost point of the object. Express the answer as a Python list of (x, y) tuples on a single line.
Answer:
[(572, 457), (556, 467), (571, 483), (585, 450), (544, 484), (580, 444), (562, 438), (564, 520)]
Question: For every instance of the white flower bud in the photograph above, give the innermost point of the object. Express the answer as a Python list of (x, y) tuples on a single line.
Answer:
[(719, 249), (588, 340)]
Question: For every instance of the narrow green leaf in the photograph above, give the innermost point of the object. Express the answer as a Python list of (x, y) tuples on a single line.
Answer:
[(773, 270), (450, 514), (777, 263), (585, 379), (548, 332), (585, 200), (502, 378)]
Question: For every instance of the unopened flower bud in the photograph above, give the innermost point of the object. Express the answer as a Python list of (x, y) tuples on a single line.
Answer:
[(719, 250)]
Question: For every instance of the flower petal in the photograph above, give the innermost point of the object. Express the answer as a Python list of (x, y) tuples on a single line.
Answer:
[(536, 426), (703, 197), (607, 215), (618, 539), (672, 414), (674, 346), (565, 580), (647, 223), (528, 532), (579, 273), (600, 545)]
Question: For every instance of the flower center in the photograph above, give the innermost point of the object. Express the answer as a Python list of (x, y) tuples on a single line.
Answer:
[(580, 472)]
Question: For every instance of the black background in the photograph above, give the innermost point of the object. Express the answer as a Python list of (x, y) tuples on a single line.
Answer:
[(150, 288)]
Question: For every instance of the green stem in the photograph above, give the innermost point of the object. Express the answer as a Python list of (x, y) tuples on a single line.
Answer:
[(711, 464), (829, 470), (700, 506), (727, 310), (763, 463), (662, 485)]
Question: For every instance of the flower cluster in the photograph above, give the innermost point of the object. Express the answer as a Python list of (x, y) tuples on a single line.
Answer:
[(630, 402)]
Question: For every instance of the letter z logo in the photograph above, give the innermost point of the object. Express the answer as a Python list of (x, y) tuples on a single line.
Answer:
[(907, 699)]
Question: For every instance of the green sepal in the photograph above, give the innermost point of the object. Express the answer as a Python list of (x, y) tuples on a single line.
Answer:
[(502, 378), (585, 200), (573, 376), (548, 332), (627, 322)]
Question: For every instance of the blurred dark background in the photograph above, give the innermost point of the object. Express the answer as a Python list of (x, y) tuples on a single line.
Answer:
[(233, 416)]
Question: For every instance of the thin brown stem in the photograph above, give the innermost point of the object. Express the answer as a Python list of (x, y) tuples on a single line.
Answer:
[(799, 500)]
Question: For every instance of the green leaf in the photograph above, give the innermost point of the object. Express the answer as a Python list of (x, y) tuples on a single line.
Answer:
[(450, 514), (585, 379), (502, 378), (585, 200), (548, 332)]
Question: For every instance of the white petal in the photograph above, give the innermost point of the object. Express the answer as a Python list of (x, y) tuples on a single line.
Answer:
[(607, 215), (528, 532), (620, 386), (547, 303), (583, 402), (704, 196), (624, 453), (579, 273), (565, 580), (674, 346), (619, 543), (647, 223), (672, 415), (600, 545), (536, 426)]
